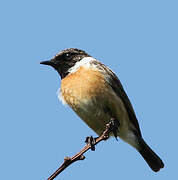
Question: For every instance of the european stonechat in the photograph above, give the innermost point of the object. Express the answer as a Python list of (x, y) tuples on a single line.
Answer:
[(95, 93)]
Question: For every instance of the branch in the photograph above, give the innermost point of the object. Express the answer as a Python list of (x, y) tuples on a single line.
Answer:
[(79, 156)]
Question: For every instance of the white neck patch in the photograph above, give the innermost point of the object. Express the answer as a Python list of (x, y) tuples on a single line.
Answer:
[(84, 62)]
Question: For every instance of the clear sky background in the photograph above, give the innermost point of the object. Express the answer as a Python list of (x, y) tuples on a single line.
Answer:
[(138, 40)]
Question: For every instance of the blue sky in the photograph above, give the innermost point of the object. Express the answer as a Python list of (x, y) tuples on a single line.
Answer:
[(138, 40)]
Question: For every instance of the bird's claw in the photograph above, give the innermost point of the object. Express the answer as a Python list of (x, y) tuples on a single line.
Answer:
[(91, 141), (114, 125)]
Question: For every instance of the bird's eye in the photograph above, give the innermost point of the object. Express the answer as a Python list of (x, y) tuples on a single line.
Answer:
[(67, 56)]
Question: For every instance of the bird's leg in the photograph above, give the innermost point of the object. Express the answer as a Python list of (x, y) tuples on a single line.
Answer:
[(90, 140), (114, 125)]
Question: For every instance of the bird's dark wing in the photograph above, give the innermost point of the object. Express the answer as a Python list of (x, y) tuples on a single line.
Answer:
[(119, 90)]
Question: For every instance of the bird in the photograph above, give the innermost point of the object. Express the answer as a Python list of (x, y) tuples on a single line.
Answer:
[(96, 95)]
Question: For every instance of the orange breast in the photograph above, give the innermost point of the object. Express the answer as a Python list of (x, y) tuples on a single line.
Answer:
[(88, 94), (82, 85)]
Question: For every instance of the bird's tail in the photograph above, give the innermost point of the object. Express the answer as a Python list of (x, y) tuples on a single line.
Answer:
[(150, 157)]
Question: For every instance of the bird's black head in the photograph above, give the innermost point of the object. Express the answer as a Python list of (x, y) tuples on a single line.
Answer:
[(66, 59)]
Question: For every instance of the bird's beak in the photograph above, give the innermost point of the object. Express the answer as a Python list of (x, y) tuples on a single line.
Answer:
[(49, 63)]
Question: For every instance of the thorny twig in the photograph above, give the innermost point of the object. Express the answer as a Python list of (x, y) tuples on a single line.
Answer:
[(79, 156)]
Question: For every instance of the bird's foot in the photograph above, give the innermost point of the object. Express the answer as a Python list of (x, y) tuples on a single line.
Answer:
[(114, 125), (91, 141)]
